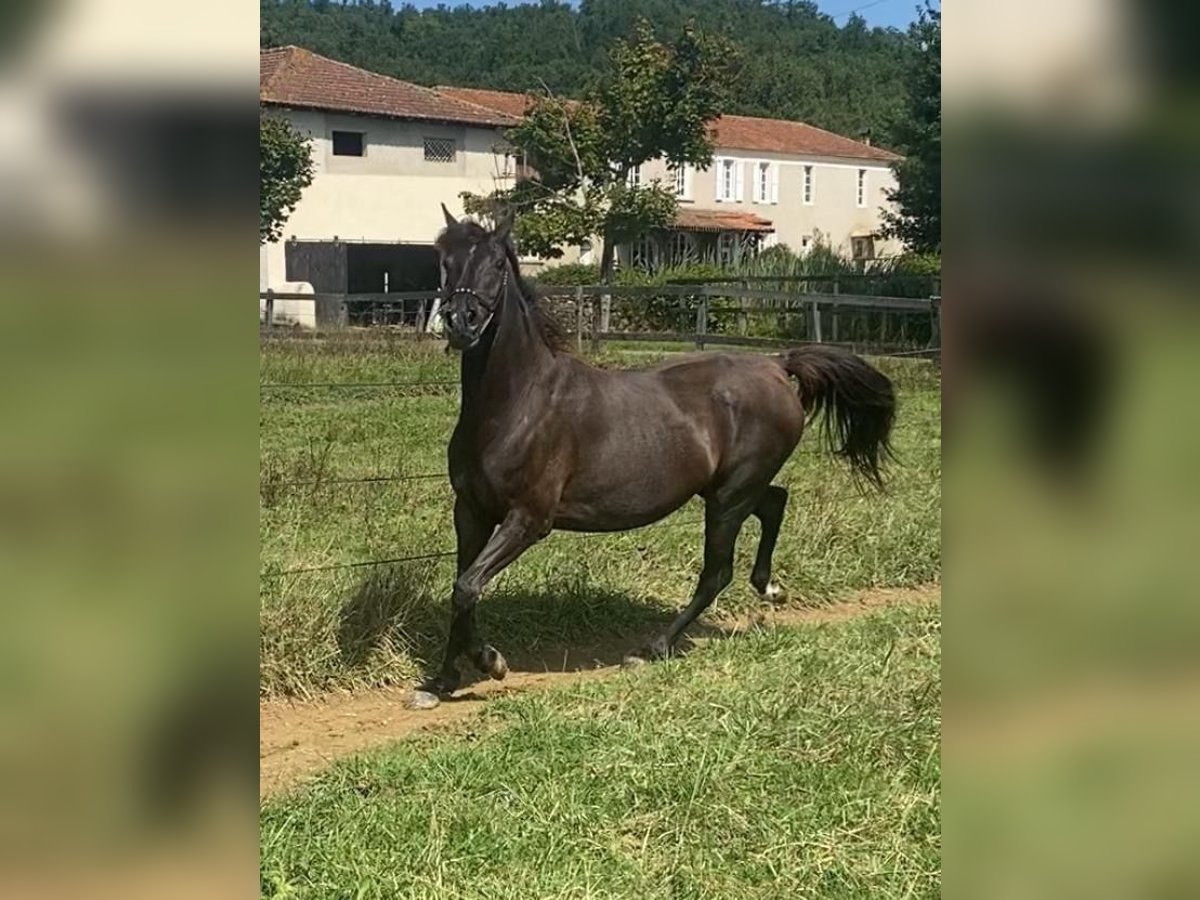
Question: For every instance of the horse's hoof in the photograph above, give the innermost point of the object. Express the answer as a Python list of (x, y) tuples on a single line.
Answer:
[(492, 663), (439, 686), (772, 593), (422, 700)]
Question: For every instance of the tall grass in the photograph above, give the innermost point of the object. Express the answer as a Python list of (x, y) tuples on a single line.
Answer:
[(381, 624)]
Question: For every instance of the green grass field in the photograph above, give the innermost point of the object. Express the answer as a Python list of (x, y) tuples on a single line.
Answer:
[(783, 763), (372, 625)]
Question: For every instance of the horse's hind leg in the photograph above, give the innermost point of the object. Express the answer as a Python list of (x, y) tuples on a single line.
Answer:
[(769, 512), (721, 527)]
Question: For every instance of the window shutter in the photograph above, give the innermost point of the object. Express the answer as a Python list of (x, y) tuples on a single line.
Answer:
[(774, 179), (738, 169)]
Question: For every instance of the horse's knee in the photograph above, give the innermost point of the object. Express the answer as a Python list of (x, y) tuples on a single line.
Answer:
[(465, 596)]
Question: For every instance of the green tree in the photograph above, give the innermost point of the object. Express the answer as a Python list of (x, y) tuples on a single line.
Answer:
[(799, 63), (285, 169), (655, 101), (918, 197)]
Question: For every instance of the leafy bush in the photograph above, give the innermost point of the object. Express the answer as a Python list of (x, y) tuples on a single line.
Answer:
[(568, 274)]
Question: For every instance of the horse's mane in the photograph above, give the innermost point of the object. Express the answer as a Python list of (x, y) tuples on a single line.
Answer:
[(467, 232)]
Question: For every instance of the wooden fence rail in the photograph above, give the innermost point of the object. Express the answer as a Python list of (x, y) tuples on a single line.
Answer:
[(588, 310)]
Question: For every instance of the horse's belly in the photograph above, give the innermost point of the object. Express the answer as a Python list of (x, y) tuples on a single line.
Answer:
[(628, 498)]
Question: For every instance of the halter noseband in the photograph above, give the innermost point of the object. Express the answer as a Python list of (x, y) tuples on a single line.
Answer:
[(489, 308)]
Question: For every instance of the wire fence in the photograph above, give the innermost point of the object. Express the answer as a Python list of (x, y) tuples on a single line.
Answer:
[(591, 314), (443, 554)]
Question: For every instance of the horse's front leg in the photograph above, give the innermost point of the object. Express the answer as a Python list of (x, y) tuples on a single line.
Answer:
[(472, 530), (518, 532)]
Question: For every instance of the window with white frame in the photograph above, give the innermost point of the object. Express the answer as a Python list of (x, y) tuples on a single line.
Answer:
[(766, 182), (729, 181), (809, 177), (634, 178), (440, 150), (681, 183), (805, 245), (861, 195)]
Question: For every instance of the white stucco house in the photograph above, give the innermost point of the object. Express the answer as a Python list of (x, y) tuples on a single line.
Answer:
[(387, 154)]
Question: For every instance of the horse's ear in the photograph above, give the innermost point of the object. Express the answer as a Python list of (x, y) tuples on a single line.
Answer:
[(450, 220), (504, 223)]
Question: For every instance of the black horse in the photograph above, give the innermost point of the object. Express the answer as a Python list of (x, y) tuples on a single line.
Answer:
[(546, 441)]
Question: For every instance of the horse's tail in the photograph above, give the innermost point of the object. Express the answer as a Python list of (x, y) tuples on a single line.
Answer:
[(857, 401)]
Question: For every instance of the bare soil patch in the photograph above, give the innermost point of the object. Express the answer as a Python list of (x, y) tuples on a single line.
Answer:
[(298, 739)]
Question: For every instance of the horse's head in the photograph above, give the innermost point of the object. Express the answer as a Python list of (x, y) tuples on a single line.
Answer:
[(475, 275)]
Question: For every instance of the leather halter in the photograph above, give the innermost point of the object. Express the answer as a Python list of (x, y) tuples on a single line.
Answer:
[(489, 308)]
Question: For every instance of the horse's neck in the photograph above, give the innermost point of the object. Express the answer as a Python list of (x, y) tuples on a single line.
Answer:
[(511, 356)]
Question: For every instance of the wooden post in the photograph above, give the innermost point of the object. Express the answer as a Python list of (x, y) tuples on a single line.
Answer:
[(605, 311), (596, 321), (702, 319), (816, 321), (834, 313), (935, 322), (742, 304), (579, 318), (269, 313), (935, 310)]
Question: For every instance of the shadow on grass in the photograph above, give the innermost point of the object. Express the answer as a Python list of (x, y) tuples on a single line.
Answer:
[(557, 628)]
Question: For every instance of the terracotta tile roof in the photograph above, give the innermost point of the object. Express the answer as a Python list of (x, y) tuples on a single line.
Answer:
[(507, 102), (728, 132), (689, 219), (783, 136), (298, 78)]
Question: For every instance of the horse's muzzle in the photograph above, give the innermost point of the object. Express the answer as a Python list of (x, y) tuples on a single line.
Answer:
[(461, 340), (465, 324)]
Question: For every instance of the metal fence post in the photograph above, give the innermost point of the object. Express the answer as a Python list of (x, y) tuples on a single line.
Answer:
[(816, 321), (702, 318)]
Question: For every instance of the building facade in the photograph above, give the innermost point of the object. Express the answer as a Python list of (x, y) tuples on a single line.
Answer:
[(388, 154), (772, 181)]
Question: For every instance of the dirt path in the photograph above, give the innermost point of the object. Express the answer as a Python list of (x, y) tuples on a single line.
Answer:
[(299, 739)]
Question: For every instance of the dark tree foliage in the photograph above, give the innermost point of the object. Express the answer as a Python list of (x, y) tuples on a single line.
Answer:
[(796, 62), (918, 197), (285, 169)]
